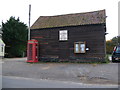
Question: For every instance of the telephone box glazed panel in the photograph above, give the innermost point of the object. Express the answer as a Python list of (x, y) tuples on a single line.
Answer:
[(32, 51)]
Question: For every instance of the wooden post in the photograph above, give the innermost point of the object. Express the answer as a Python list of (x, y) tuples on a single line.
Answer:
[(29, 22)]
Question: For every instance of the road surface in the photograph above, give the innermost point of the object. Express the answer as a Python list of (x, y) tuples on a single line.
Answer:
[(82, 73), (20, 82), (19, 74)]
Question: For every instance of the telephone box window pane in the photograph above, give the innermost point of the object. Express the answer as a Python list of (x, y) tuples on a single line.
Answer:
[(30, 52)]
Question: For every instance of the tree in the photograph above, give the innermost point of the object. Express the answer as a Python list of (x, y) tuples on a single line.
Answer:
[(119, 40), (15, 37), (109, 47), (111, 44)]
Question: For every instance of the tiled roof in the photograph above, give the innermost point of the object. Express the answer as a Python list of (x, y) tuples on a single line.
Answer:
[(96, 17)]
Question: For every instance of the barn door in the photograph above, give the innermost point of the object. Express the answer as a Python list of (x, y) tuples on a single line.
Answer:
[(63, 51)]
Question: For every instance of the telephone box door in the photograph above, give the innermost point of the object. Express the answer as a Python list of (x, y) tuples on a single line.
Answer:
[(32, 51)]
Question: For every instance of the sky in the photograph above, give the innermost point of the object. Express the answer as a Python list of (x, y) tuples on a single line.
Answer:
[(20, 8)]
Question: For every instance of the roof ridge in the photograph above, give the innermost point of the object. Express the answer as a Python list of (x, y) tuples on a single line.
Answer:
[(94, 17), (73, 13)]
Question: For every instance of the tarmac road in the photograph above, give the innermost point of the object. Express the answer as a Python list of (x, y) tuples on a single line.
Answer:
[(20, 82), (71, 72)]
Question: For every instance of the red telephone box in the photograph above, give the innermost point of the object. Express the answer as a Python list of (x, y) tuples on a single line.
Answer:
[(32, 51)]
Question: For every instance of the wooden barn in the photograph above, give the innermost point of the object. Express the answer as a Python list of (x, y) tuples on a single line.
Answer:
[(78, 37)]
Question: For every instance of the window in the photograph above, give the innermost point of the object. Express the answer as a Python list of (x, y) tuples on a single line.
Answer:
[(63, 35), (2, 48), (79, 47), (118, 49)]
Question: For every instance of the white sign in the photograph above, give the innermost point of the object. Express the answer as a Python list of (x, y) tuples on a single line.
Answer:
[(63, 35), (87, 48)]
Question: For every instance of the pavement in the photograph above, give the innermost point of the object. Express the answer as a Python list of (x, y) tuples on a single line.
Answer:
[(73, 72)]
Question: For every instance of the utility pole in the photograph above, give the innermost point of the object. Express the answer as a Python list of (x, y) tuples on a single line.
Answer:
[(118, 23), (29, 22)]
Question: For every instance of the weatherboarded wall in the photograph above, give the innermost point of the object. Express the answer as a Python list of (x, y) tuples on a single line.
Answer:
[(52, 49)]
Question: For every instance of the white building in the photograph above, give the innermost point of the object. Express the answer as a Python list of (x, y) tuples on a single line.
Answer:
[(2, 45)]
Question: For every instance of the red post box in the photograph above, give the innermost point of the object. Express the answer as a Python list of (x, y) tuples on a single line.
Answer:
[(32, 51)]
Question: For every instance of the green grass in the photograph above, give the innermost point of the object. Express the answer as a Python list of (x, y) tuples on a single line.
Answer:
[(107, 58), (77, 62), (69, 62)]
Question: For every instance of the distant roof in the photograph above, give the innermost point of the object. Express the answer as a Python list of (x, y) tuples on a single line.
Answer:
[(96, 17)]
